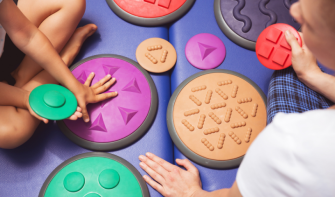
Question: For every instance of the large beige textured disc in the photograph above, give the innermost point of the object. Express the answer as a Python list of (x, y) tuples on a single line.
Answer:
[(218, 115), (156, 55)]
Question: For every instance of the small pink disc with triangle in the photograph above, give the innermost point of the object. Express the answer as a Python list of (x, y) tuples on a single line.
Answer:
[(205, 51)]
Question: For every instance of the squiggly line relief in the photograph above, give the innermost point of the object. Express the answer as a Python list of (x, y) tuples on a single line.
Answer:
[(245, 19), (287, 3), (265, 11)]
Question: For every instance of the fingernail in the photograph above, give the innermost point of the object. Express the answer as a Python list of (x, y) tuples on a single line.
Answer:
[(109, 75), (86, 120), (113, 78), (287, 32), (141, 164), (92, 73), (149, 154)]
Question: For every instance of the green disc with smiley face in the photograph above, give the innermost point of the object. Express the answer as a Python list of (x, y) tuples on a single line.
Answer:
[(95, 175)]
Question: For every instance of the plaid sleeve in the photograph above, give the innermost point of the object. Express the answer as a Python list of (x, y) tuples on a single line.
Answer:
[(289, 95)]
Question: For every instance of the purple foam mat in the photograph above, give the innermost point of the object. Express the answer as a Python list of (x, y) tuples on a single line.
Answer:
[(249, 18), (115, 118)]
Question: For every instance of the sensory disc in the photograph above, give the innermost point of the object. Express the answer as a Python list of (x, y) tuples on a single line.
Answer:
[(119, 121), (272, 49), (243, 21), (150, 12), (53, 102), (214, 116), (95, 175)]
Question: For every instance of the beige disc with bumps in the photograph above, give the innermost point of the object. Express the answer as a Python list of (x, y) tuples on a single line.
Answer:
[(156, 55), (218, 116)]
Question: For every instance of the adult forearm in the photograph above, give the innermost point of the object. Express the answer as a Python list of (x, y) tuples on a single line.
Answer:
[(12, 96), (322, 83)]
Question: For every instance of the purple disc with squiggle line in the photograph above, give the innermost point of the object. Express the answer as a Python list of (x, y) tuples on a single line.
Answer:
[(248, 18), (116, 119)]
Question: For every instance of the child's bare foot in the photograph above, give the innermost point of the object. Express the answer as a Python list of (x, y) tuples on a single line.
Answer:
[(73, 46)]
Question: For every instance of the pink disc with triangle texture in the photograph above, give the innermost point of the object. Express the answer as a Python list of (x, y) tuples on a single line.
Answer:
[(205, 51), (114, 119)]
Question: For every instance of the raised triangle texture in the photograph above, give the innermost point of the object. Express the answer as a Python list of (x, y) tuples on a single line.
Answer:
[(132, 86), (99, 124), (205, 50), (127, 114), (110, 69), (82, 77)]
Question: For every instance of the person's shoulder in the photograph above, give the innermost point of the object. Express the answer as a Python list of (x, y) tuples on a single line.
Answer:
[(304, 123)]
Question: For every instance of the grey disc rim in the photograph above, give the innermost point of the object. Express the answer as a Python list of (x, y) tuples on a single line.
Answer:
[(178, 142), (229, 32), (141, 130), (131, 168), (150, 22)]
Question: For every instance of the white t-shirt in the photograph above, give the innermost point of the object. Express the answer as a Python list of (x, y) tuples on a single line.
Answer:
[(293, 156), (2, 37)]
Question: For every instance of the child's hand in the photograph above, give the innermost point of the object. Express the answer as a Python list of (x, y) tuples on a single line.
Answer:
[(303, 61), (172, 180), (86, 94), (31, 111)]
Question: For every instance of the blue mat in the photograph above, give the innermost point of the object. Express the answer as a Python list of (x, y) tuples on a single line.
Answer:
[(201, 19), (24, 170)]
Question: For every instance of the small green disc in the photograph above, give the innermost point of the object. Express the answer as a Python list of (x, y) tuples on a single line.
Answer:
[(53, 102), (109, 179), (74, 181)]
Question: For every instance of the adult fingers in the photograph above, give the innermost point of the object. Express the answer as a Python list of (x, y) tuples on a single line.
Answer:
[(89, 79), (168, 166), (101, 81), (188, 165), (103, 87), (154, 166), (154, 184), (293, 42), (105, 96), (152, 173)]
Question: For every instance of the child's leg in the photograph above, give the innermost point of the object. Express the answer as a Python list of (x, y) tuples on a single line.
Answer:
[(289, 95), (17, 125), (57, 19)]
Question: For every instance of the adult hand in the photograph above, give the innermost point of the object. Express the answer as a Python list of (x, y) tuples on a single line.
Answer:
[(86, 94), (170, 180), (303, 61)]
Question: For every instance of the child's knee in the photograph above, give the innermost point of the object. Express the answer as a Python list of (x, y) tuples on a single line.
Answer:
[(77, 7), (8, 136)]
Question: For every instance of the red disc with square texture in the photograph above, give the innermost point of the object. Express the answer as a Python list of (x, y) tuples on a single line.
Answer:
[(272, 49), (150, 8)]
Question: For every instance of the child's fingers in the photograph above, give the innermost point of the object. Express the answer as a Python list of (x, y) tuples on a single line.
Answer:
[(78, 109), (78, 114), (40, 118), (104, 87), (101, 82), (89, 79), (73, 117), (293, 42), (84, 112), (104, 96)]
